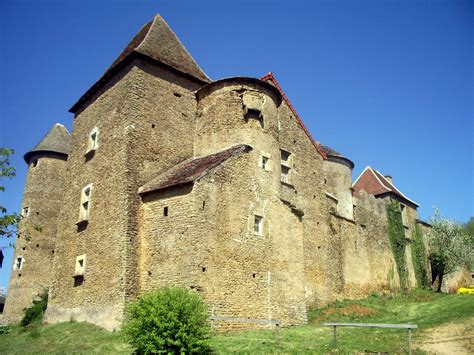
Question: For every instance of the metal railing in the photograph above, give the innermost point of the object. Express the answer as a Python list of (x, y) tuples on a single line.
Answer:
[(372, 325)]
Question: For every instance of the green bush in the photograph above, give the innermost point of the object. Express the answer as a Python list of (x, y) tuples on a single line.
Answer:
[(168, 321), (34, 314)]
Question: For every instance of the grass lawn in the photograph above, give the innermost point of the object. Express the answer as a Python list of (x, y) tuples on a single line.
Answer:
[(423, 308)]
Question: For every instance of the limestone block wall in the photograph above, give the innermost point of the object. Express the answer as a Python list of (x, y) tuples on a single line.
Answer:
[(42, 196), (208, 244), (99, 297), (338, 179)]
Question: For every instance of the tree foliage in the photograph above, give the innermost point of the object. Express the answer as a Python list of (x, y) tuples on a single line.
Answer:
[(168, 321), (449, 246), (8, 222)]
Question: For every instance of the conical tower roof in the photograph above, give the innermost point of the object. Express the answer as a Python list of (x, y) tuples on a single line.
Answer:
[(157, 41), (57, 141)]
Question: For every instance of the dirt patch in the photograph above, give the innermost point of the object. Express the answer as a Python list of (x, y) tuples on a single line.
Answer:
[(424, 297), (353, 310), (453, 338)]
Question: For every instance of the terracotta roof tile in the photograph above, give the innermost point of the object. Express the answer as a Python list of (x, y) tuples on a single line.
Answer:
[(192, 169), (374, 183)]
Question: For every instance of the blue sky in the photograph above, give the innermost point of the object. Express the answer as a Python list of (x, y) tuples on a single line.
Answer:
[(387, 83)]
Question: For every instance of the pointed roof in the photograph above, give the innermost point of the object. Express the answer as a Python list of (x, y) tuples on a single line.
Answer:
[(374, 183), (157, 41), (192, 169), (57, 140)]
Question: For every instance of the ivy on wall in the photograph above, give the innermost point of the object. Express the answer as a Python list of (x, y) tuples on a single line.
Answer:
[(418, 257), (396, 235)]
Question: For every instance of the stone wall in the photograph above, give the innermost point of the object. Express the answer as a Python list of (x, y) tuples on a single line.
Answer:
[(35, 243)]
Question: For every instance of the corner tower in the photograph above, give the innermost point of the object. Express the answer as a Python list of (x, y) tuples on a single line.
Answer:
[(135, 122), (42, 201)]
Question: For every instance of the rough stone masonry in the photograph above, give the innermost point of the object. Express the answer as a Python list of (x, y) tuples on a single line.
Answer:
[(170, 178)]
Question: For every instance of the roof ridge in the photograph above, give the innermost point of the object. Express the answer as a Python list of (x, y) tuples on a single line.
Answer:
[(315, 143)]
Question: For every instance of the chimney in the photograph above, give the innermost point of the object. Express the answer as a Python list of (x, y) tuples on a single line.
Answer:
[(389, 178)]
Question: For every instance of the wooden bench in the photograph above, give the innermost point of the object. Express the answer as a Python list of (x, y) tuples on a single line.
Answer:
[(373, 325)]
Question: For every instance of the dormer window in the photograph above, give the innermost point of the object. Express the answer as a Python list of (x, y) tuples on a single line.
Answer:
[(93, 141), (85, 203)]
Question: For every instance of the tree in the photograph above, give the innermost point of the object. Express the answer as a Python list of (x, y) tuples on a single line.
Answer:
[(8, 222), (449, 247)]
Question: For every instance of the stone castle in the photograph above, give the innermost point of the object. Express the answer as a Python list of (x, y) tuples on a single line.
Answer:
[(171, 178)]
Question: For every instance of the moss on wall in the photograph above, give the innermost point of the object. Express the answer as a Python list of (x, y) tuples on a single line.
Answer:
[(396, 235), (418, 258)]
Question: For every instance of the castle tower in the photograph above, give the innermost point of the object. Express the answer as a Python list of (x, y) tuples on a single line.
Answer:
[(42, 201), (338, 181), (133, 123)]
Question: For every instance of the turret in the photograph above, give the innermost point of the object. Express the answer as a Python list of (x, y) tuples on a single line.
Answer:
[(234, 111), (42, 201), (338, 180)]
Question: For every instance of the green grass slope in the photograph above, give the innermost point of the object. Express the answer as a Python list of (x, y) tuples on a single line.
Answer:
[(423, 308)]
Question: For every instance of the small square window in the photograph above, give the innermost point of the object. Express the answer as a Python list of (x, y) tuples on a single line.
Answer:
[(285, 174), (93, 141), (18, 265), (258, 225), (85, 203), (25, 212), (285, 157), (80, 266)]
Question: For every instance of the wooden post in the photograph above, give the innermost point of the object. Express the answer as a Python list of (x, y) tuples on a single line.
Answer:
[(335, 337), (409, 341)]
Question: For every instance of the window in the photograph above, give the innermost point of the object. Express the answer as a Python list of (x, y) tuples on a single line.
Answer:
[(93, 142), (85, 203), (254, 114), (34, 163), (285, 162), (265, 162), (165, 212), (80, 265), (258, 225), (25, 212), (18, 265), (285, 172)]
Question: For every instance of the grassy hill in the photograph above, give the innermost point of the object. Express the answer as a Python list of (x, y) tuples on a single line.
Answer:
[(425, 309)]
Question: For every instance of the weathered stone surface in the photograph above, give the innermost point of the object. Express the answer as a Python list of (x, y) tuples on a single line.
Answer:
[(265, 233)]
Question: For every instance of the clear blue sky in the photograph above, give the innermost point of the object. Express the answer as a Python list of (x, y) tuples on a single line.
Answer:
[(387, 83)]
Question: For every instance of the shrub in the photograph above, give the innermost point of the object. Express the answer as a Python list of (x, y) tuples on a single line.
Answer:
[(34, 314), (170, 320), (5, 329)]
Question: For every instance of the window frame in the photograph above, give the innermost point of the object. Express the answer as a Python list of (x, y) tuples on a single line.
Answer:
[(84, 212), (92, 143), (80, 270)]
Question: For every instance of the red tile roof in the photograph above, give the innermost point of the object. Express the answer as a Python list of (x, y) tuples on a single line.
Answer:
[(374, 183), (192, 169), (315, 143)]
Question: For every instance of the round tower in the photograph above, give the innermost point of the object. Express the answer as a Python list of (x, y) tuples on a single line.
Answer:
[(234, 111), (41, 204), (338, 180)]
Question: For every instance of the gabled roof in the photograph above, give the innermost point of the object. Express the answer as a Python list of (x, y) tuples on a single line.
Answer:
[(57, 140), (157, 41), (271, 77), (192, 169), (374, 183)]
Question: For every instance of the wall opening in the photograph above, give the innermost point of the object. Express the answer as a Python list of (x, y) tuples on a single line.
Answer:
[(165, 211)]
